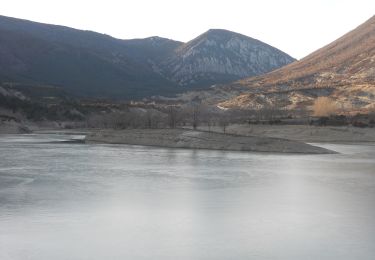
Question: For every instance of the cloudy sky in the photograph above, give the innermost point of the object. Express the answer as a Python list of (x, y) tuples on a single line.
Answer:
[(297, 27)]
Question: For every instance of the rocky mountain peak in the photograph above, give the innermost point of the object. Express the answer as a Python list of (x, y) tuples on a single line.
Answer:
[(224, 55)]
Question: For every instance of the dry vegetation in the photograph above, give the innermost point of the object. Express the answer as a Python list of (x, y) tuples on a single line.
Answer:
[(351, 54), (343, 70), (324, 106)]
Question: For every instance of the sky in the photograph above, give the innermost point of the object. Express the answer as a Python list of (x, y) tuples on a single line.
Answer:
[(297, 27)]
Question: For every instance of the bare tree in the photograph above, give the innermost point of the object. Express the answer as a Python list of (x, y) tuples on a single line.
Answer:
[(224, 121), (207, 116), (155, 119), (195, 115), (172, 116)]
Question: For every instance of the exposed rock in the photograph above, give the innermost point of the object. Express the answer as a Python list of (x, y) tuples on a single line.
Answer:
[(8, 92), (218, 56)]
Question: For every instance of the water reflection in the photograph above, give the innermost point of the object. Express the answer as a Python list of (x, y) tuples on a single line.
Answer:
[(71, 201)]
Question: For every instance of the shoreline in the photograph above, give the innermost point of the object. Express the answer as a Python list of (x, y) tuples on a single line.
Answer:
[(257, 138), (304, 133), (185, 138)]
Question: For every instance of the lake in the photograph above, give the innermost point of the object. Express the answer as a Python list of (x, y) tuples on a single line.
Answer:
[(63, 200)]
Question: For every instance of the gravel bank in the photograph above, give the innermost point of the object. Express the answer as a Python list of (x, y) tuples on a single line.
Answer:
[(184, 138)]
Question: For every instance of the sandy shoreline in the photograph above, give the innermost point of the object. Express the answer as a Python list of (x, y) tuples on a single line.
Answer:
[(185, 138)]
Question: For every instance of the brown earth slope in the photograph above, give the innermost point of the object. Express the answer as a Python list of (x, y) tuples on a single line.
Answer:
[(343, 70)]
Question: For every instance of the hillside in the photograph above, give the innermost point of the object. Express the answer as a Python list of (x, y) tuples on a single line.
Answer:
[(82, 62), (343, 70), (90, 64), (220, 56)]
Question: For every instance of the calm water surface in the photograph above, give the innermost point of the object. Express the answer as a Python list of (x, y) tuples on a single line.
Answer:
[(76, 201)]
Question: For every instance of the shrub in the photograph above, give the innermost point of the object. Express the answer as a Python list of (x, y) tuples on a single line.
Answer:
[(324, 106)]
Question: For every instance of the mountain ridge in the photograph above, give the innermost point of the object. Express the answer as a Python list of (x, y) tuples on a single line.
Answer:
[(86, 63)]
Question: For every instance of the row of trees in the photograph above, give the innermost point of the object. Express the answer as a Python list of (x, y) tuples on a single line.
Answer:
[(173, 116), (197, 115), (207, 117)]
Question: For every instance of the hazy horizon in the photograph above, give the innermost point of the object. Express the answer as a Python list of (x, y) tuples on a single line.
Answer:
[(292, 26)]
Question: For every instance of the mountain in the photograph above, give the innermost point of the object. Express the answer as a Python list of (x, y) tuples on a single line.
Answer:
[(151, 50), (90, 64), (82, 62), (343, 70), (220, 56)]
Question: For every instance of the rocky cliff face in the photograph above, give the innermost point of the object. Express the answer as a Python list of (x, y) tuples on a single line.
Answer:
[(221, 56)]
